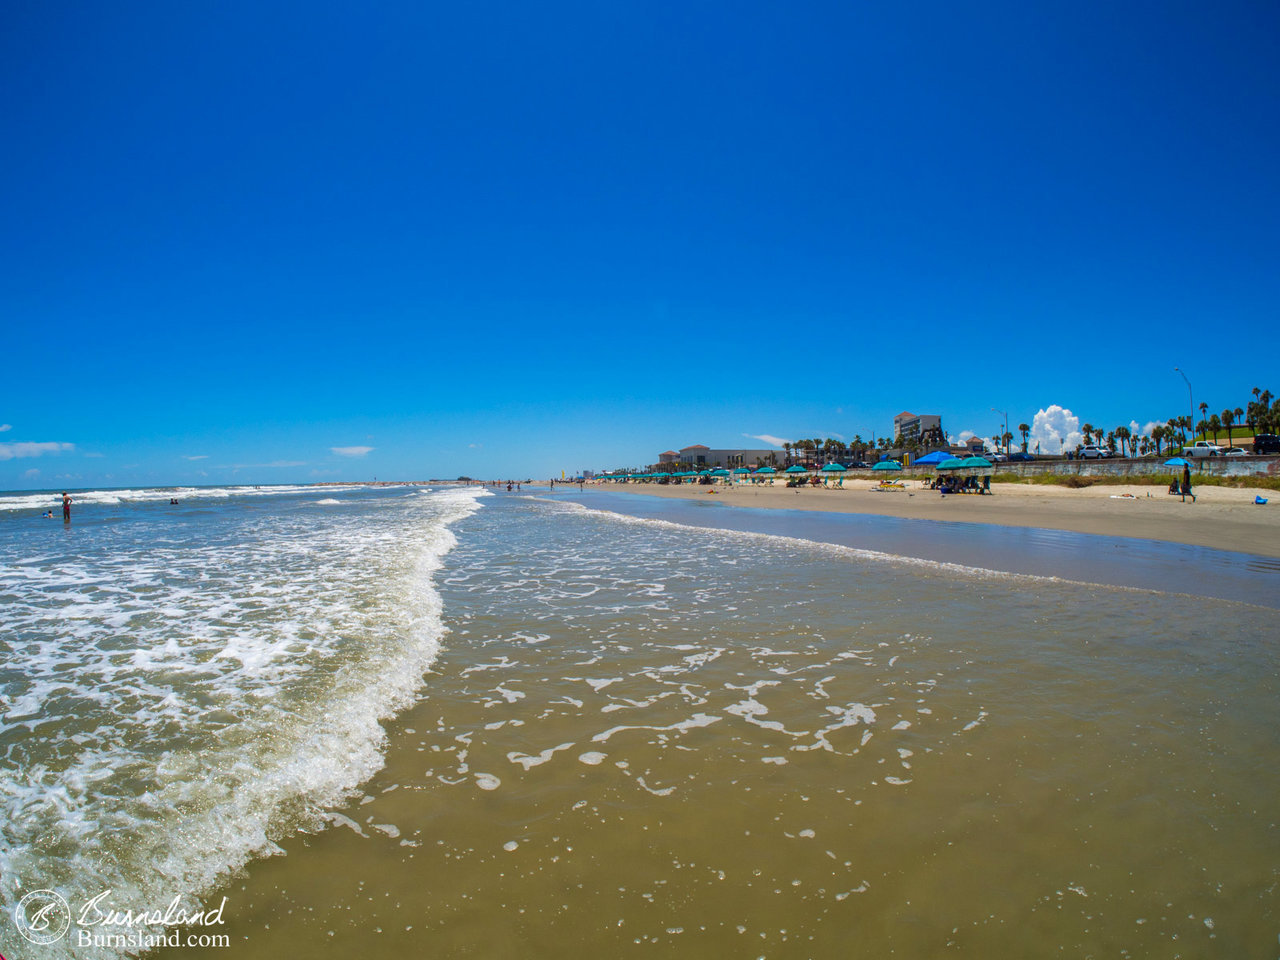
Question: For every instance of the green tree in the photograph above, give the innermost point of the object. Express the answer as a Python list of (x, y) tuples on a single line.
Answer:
[(1122, 435), (1228, 420), (1215, 424), (1025, 430), (1087, 431)]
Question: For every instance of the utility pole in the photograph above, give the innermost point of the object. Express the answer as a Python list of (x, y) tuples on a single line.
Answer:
[(1004, 435), (1192, 400)]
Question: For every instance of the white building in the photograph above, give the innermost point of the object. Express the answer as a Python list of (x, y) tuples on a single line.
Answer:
[(908, 426)]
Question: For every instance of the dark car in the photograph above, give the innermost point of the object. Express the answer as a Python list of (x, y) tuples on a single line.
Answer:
[(1266, 443), (1021, 457)]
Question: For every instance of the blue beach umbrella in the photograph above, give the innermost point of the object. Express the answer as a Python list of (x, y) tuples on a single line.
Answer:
[(742, 470), (796, 469), (932, 459), (834, 468), (1177, 462), (768, 470), (980, 462), (954, 463), (887, 465)]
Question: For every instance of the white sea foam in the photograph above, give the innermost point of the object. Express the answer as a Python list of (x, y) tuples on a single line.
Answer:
[(198, 699)]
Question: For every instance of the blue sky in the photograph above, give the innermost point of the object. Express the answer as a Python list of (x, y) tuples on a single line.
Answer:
[(278, 242)]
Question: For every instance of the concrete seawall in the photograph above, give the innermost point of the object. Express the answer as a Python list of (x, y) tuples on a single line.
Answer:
[(1116, 467)]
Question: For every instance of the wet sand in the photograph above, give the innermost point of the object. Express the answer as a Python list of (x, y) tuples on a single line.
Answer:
[(1222, 518)]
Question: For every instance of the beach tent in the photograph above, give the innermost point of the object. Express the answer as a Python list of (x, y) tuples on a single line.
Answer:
[(887, 465)]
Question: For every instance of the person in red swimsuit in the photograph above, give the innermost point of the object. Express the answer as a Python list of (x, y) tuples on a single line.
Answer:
[(66, 505)]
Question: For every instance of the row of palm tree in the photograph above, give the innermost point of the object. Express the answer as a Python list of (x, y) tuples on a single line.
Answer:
[(1259, 415)]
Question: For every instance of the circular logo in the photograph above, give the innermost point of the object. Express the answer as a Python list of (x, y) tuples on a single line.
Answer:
[(42, 916)]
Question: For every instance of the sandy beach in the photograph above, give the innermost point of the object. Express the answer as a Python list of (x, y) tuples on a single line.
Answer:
[(1222, 518)]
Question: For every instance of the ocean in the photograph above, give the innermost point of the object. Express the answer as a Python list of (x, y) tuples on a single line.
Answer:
[(462, 722)]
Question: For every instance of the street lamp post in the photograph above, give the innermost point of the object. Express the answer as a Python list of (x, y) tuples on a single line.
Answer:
[(1004, 436), (1191, 424)]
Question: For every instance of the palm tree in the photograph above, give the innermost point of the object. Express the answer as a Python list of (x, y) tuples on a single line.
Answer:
[(1228, 419), (787, 447), (1024, 429), (1122, 434), (1087, 430), (1204, 409), (1215, 424)]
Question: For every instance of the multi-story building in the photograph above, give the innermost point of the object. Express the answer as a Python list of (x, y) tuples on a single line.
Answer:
[(910, 426), (699, 455)]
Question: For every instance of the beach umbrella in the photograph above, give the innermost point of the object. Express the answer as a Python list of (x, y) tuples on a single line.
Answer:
[(742, 470), (887, 465), (834, 468), (720, 473), (1177, 462), (795, 469), (954, 463), (766, 470), (932, 459), (976, 461)]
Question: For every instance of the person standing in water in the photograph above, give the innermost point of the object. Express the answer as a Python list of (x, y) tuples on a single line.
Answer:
[(66, 505)]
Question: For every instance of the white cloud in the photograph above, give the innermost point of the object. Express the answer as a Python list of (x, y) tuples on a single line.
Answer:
[(12, 451), (1148, 427), (772, 441), (965, 435), (1056, 428), (351, 451), (198, 456), (474, 446), (32, 473), (5, 426)]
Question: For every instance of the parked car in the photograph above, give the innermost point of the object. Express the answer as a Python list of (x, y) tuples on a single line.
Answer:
[(998, 457), (1092, 452), (1266, 443), (1022, 457), (1202, 448), (1235, 452)]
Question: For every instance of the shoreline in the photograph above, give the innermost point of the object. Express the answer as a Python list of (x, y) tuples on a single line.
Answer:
[(1221, 518)]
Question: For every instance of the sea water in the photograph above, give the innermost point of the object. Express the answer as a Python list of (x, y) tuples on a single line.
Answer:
[(408, 721)]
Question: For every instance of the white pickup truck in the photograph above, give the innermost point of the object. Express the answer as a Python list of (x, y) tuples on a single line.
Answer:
[(1202, 448)]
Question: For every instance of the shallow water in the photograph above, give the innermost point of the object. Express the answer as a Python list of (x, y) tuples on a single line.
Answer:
[(641, 734)]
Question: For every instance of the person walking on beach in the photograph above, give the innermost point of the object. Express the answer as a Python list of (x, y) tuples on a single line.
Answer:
[(66, 505), (1186, 484)]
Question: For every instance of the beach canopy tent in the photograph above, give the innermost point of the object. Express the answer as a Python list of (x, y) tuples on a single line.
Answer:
[(932, 459), (1177, 462), (834, 468), (795, 469), (887, 465)]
